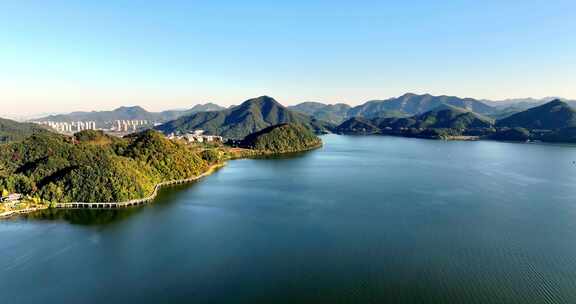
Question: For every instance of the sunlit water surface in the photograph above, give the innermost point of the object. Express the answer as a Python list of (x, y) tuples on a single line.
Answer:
[(362, 220)]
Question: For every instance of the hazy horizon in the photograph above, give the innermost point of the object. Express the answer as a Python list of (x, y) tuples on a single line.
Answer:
[(32, 115), (65, 56)]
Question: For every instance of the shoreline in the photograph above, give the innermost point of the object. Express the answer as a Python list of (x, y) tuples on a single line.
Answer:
[(9, 214), (116, 205), (145, 200)]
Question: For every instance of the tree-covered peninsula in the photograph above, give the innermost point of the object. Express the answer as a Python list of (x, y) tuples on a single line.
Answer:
[(283, 138), (94, 167), (91, 166)]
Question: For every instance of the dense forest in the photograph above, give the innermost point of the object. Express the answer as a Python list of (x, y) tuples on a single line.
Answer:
[(281, 139), (94, 167)]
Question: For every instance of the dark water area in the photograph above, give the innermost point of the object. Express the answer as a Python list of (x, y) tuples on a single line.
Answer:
[(362, 220)]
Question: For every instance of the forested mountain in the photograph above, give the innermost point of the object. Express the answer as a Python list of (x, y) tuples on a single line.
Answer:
[(175, 114), (443, 117), (412, 104), (554, 121), (129, 113), (334, 113), (94, 167), (281, 139), (552, 115), (358, 125), (251, 116), (13, 131), (406, 105)]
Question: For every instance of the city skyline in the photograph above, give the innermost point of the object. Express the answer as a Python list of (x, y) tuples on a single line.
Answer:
[(61, 56)]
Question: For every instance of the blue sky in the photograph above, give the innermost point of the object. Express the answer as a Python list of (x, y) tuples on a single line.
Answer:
[(58, 56)]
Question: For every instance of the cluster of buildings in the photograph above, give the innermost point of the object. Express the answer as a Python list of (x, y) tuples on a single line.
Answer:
[(11, 198), (69, 127), (113, 126), (128, 125), (196, 136)]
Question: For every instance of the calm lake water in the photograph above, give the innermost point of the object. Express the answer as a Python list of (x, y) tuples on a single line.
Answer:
[(362, 220)]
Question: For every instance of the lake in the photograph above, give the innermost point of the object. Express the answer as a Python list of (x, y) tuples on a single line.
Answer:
[(362, 220)]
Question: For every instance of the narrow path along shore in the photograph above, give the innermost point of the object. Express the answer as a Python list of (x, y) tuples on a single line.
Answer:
[(115, 205), (140, 201)]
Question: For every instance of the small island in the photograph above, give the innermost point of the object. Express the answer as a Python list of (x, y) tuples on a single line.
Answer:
[(94, 170)]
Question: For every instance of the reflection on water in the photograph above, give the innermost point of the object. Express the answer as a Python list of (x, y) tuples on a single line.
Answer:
[(168, 195)]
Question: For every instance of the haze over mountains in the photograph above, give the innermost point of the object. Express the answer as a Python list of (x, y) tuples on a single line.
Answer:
[(406, 105), (409, 111), (412, 104), (129, 113)]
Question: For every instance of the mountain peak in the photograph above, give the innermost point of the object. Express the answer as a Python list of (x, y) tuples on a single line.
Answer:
[(252, 115), (555, 114), (262, 101), (130, 109), (263, 98)]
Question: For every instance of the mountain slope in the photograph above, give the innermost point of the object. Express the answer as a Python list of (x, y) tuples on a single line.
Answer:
[(129, 113), (13, 131), (282, 138), (443, 117), (334, 113), (555, 114), (412, 104), (251, 116), (357, 125), (93, 167), (175, 114)]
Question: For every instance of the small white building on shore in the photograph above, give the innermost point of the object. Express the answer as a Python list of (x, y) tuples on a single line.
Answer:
[(11, 198), (197, 136)]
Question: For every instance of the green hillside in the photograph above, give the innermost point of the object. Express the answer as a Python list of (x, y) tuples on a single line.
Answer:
[(251, 116), (357, 125), (443, 122), (92, 167), (281, 139), (555, 114), (414, 104), (333, 113), (449, 117), (14, 131)]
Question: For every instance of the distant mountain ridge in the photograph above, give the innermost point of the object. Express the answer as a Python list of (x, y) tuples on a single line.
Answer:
[(251, 116), (334, 113), (406, 105), (411, 104), (129, 113), (555, 114), (443, 117), (554, 121)]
